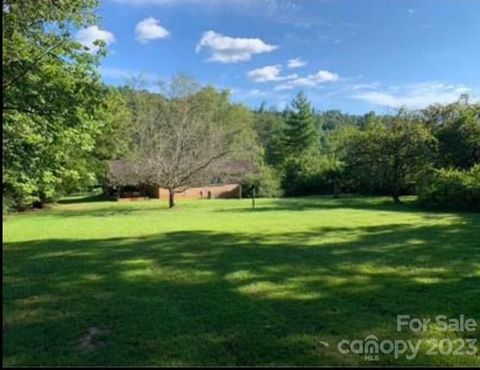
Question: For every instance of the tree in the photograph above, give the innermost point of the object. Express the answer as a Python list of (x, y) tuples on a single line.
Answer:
[(115, 137), (332, 119), (188, 135), (457, 129), (270, 128), (51, 97), (301, 132), (388, 154), (451, 188), (311, 174)]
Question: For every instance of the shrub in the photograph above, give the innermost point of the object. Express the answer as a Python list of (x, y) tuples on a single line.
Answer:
[(6, 206), (451, 188), (311, 174), (266, 183)]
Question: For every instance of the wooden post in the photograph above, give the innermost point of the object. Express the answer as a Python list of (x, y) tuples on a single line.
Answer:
[(253, 198)]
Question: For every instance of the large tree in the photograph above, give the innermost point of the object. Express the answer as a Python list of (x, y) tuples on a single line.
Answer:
[(187, 135), (51, 98), (457, 128), (389, 153)]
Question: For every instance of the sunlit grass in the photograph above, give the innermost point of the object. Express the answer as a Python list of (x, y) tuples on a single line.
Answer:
[(217, 283)]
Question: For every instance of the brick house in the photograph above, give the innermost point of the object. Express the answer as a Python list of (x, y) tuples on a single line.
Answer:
[(212, 191), (124, 184)]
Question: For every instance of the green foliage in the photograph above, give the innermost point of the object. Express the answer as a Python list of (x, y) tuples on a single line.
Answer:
[(333, 119), (387, 155), (267, 183), (457, 128), (311, 174), (114, 140), (270, 128), (6, 205), (52, 99), (451, 188), (301, 133), (374, 154)]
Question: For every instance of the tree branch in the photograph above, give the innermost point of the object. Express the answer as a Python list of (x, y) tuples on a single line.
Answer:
[(35, 62)]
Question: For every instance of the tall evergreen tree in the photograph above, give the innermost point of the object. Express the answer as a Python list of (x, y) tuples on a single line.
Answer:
[(301, 134)]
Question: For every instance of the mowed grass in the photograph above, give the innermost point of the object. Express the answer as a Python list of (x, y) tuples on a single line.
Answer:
[(215, 283)]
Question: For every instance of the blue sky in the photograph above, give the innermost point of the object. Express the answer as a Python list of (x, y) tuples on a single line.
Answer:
[(355, 55)]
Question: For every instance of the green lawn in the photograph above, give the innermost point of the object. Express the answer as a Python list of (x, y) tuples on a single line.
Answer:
[(215, 283)]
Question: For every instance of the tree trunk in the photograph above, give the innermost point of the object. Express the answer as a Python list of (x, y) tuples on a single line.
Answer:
[(396, 197), (397, 175), (171, 198), (336, 189)]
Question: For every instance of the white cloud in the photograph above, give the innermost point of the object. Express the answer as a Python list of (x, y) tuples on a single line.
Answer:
[(296, 63), (311, 80), (89, 35), (414, 96), (150, 29), (227, 49), (269, 74)]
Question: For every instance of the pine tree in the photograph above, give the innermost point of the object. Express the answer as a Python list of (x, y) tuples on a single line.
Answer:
[(301, 134)]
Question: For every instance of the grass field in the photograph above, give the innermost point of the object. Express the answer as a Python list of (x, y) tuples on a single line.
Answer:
[(215, 283)]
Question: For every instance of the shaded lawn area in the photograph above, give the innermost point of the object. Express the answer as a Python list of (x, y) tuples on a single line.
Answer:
[(215, 283)]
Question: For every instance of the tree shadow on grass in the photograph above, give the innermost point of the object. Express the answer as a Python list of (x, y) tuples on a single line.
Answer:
[(108, 208), (89, 198), (103, 212), (103, 209), (207, 298), (313, 203)]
